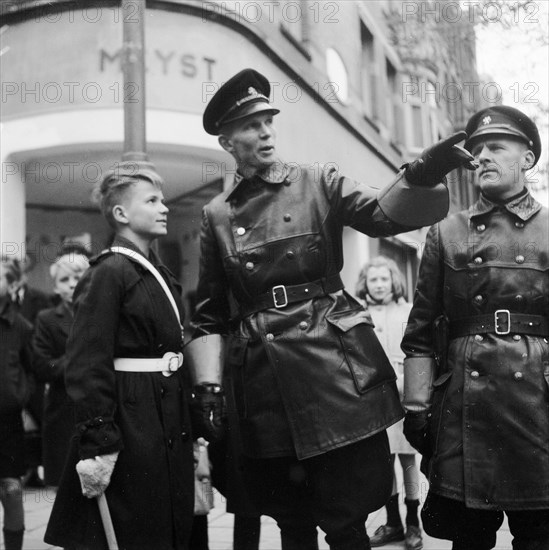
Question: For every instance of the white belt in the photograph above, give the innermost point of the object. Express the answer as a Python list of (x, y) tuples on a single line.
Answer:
[(167, 365)]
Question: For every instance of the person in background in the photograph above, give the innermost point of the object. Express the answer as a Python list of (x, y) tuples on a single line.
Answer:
[(29, 301), (15, 367), (124, 353), (50, 361), (381, 287), (476, 371)]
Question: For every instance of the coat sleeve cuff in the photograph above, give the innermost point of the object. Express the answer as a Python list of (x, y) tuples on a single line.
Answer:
[(412, 205), (99, 436), (419, 374)]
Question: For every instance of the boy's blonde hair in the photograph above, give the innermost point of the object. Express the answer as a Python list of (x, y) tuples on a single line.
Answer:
[(118, 181)]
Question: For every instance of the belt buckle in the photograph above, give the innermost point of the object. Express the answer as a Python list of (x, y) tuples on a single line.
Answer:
[(175, 360), (508, 321), (275, 299)]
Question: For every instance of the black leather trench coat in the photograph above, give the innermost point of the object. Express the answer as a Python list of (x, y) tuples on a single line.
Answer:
[(121, 311), (311, 376), (489, 428)]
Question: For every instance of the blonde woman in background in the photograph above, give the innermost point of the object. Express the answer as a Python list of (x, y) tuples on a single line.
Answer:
[(50, 361), (380, 285)]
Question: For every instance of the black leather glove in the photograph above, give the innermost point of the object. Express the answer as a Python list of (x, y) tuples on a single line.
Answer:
[(436, 161), (416, 430), (208, 411)]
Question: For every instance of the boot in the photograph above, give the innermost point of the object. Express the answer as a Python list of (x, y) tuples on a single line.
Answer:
[(13, 540)]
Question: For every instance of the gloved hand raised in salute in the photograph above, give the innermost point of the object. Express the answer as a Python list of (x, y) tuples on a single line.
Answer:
[(436, 161)]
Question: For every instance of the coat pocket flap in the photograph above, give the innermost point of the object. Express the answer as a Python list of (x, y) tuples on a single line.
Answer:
[(346, 320), (442, 379)]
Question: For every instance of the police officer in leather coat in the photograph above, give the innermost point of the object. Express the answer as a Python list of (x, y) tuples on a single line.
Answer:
[(314, 391), (481, 416)]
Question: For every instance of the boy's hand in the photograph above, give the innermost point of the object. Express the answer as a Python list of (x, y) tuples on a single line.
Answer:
[(208, 411)]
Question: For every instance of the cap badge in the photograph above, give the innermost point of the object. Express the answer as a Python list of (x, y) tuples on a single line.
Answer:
[(486, 120), (252, 94)]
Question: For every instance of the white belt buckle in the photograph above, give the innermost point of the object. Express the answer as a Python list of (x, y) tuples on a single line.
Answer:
[(174, 360), (496, 319)]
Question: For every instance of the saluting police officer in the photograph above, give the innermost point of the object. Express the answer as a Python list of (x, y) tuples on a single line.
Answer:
[(313, 388), (478, 400)]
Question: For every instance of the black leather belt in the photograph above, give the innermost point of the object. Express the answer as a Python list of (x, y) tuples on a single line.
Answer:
[(500, 322), (280, 296)]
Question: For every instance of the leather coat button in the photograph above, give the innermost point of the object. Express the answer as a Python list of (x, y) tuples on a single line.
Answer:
[(478, 300), (475, 374), (516, 337), (287, 218), (250, 266), (290, 254), (240, 231), (479, 337), (270, 337), (303, 325)]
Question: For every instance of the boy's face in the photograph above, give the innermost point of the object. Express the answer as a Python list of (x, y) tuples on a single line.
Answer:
[(145, 211), (65, 283)]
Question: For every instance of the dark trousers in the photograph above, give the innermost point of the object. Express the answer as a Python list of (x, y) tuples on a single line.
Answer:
[(475, 529), (334, 491)]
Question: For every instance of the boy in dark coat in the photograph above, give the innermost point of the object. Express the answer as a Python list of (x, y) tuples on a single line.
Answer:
[(123, 355)]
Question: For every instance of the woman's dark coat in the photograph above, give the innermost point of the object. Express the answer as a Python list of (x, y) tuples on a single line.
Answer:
[(49, 362)]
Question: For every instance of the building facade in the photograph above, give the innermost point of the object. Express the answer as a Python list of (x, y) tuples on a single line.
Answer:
[(350, 90)]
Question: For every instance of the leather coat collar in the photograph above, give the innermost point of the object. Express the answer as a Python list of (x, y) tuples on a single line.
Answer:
[(524, 207), (275, 175)]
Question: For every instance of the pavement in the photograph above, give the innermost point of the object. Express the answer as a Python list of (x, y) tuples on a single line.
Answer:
[(38, 503)]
